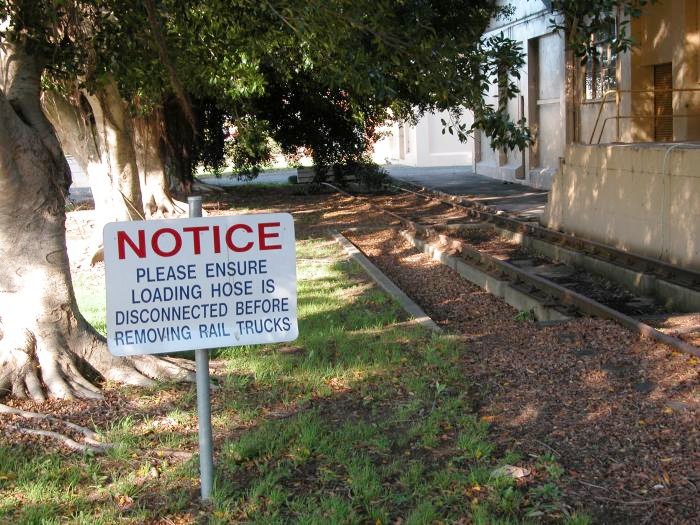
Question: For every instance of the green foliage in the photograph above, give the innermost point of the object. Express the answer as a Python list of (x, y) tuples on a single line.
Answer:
[(583, 18), (250, 149), (324, 75), (208, 148), (366, 173), (315, 74), (303, 111), (525, 315), (578, 519)]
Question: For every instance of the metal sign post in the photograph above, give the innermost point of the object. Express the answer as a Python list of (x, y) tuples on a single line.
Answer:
[(201, 355), (198, 283)]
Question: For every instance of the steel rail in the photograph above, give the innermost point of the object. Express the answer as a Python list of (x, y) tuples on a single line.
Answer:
[(560, 293), (668, 272), (581, 302)]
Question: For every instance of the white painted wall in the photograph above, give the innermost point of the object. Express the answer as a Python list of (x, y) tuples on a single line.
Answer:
[(424, 145), (542, 88)]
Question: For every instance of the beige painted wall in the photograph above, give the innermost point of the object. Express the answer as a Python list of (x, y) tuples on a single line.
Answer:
[(623, 196), (668, 31), (661, 36)]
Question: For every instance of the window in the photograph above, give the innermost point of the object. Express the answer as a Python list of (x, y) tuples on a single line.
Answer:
[(601, 66)]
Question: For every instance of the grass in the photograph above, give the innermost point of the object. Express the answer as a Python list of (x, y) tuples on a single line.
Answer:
[(363, 419)]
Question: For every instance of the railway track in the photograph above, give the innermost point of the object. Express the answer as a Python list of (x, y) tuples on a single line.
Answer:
[(680, 276), (474, 235)]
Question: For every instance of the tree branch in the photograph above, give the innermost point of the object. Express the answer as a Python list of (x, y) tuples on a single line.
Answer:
[(161, 47)]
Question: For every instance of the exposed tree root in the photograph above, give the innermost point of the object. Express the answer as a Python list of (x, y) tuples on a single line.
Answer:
[(90, 437), (19, 375), (36, 371), (92, 442), (171, 452), (204, 187), (142, 370), (165, 206), (22, 369), (159, 368), (70, 443)]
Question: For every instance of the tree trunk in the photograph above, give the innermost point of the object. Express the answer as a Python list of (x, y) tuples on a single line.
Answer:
[(75, 127), (179, 142), (44, 340), (157, 200), (114, 141)]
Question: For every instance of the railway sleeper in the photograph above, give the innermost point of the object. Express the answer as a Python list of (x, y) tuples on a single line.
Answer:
[(482, 277), (513, 296), (675, 287), (537, 301)]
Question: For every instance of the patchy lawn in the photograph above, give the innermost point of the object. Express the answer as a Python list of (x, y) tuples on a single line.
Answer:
[(366, 418)]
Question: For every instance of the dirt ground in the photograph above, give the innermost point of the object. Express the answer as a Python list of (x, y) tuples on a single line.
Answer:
[(619, 413)]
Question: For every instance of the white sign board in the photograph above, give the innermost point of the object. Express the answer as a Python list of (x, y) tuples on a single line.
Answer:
[(208, 282)]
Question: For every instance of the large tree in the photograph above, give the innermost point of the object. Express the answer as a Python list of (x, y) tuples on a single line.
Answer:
[(46, 345), (263, 64)]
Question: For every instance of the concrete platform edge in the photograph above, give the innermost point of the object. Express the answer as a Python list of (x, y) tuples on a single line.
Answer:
[(420, 317), (496, 287)]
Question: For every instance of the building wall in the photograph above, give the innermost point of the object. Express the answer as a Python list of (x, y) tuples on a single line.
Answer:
[(542, 100), (667, 32), (637, 197), (551, 87), (424, 144)]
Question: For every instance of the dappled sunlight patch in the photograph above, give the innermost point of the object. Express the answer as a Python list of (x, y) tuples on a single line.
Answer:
[(322, 310), (341, 214), (597, 379), (598, 412), (402, 332), (177, 420), (338, 384), (363, 419), (529, 413)]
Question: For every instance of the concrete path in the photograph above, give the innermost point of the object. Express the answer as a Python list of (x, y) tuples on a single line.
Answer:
[(80, 189), (457, 180), (461, 180)]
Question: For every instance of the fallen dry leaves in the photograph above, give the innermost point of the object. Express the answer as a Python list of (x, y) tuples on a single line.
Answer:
[(619, 413)]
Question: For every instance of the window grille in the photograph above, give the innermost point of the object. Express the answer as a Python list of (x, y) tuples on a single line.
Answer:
[(601, 64)]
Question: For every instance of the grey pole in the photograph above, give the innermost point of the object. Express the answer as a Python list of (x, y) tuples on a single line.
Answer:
[(206, 454)]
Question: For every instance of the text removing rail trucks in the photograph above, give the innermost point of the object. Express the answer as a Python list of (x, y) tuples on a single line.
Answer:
[(186, 284)]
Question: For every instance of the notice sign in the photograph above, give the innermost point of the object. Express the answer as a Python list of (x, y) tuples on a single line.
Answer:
[(207, 282)]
